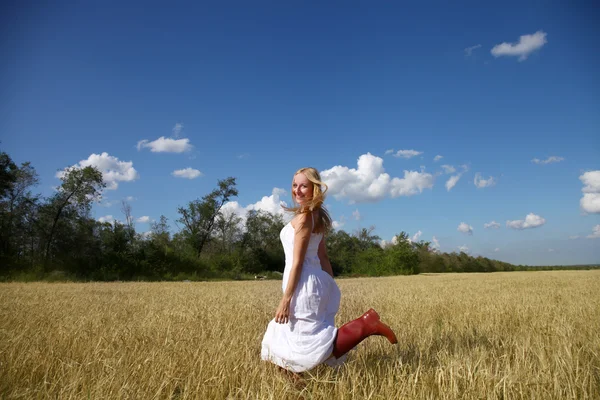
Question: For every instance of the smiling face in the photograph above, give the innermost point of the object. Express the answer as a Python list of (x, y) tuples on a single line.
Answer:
[(302, 189)]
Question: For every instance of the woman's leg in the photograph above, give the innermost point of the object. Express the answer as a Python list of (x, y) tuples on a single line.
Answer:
[(352, 333)]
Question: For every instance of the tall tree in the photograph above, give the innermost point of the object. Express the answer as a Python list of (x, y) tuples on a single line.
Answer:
[(227, 230), (17, 207), (366, 238), (199, 216), (80, 188)]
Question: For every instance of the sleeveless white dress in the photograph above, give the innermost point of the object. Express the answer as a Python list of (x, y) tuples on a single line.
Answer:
[(307, 339)]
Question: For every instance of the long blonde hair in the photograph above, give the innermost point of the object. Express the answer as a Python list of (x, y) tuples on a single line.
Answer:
[(323, 221)]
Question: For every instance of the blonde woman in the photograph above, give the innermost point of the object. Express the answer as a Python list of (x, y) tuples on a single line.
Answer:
[(302, 335)]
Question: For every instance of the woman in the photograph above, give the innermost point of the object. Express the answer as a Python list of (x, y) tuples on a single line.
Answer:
[(302, 335)]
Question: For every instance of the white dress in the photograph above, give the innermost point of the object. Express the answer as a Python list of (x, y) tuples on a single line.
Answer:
[(307, 339)]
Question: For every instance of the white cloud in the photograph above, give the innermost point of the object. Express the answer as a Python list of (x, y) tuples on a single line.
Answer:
[(243, 156), (389, 151), (107, 218), (497, 249), (113, 170), (270, 204), (463, 248), (188, 173), (415, 237), (437, 158), (407, 153), (595, 232), (481, 183), (384, 243), (591, 180), (573, 237), (370, 183), (130, 198), (356, 215), (340, 223), (166, 145), (531, 221), (549, 160), (177, 130), (469, 50), (436, 243), (450, 183), (590, 202), (465, 228), (493, 225), (448, 169), (526, 45), (144, 219), (551, 250)]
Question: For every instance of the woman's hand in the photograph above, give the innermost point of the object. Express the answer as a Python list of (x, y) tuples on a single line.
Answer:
[(282, 314)]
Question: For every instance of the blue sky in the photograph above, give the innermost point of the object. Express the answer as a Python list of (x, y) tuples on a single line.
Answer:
[(258, 90)]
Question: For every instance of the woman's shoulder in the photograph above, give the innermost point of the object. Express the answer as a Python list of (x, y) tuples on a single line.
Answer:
[(302, 219)]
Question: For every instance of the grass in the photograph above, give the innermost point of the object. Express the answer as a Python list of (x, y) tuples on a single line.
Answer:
[(461, 336)]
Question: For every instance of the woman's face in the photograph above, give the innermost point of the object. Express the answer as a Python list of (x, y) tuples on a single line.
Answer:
[(302, 189)]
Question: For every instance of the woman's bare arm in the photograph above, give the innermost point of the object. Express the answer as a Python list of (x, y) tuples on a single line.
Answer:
[(322, 252)]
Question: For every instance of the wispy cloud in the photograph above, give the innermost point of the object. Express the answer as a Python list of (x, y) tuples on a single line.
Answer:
[(525, 46), (549, 160), (531, 221), (436, 243), (144, 219), (166, 145), (407, 153), (107, 218), (340, 223), (463, 249), (437, 158), (481, 183), (469, 50), (189, 173), (491, 225), (453, 180), (177, 130), (448, 169), (595, 233), (415, 237)]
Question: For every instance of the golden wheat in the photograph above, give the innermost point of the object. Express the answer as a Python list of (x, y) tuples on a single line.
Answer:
[(461, 336)]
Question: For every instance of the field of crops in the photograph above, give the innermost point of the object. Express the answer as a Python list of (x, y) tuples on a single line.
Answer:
[(461, 336)]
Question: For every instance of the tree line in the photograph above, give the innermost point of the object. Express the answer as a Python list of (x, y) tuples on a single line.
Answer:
[(56, 238)]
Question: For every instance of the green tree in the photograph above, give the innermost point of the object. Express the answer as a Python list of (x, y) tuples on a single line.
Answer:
[(79, 189), (199, 216), (18, 211), (261, 241), (227, 230)]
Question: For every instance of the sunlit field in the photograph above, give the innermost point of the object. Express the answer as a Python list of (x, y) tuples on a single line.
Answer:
[(461, 336)]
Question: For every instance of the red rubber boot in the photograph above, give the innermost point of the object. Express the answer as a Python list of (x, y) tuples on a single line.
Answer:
[(352, 333)]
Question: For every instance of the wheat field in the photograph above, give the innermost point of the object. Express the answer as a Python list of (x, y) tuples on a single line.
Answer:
[(532, 335)]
